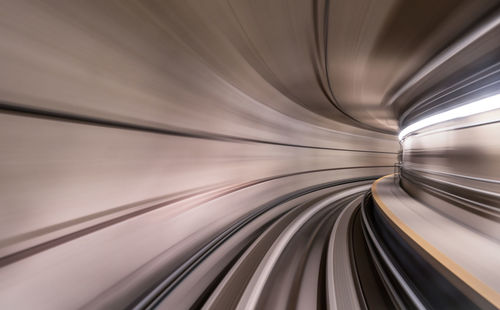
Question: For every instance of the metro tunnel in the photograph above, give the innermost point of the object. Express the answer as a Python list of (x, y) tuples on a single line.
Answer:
[(249, 154)]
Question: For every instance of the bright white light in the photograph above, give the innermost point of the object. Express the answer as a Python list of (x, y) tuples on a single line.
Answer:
[(480, 106)]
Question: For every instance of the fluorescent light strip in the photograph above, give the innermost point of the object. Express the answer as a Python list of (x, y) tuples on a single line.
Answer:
[(480, 106)]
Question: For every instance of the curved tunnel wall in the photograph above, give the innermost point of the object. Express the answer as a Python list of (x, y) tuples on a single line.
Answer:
[(137, 140), (453, 166), (216, 154)]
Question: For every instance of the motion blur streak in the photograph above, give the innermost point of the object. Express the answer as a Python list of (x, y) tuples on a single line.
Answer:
[(478, 107), (223, 154)]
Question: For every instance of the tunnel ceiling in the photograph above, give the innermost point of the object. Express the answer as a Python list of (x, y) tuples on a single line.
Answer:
[(322, 62), (341, 60)]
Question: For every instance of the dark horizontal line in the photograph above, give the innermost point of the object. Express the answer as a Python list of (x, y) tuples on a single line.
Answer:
[(22, 254), (12, 108)]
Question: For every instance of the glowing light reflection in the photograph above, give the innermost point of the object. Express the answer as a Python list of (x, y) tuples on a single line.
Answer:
[(480, 106)]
